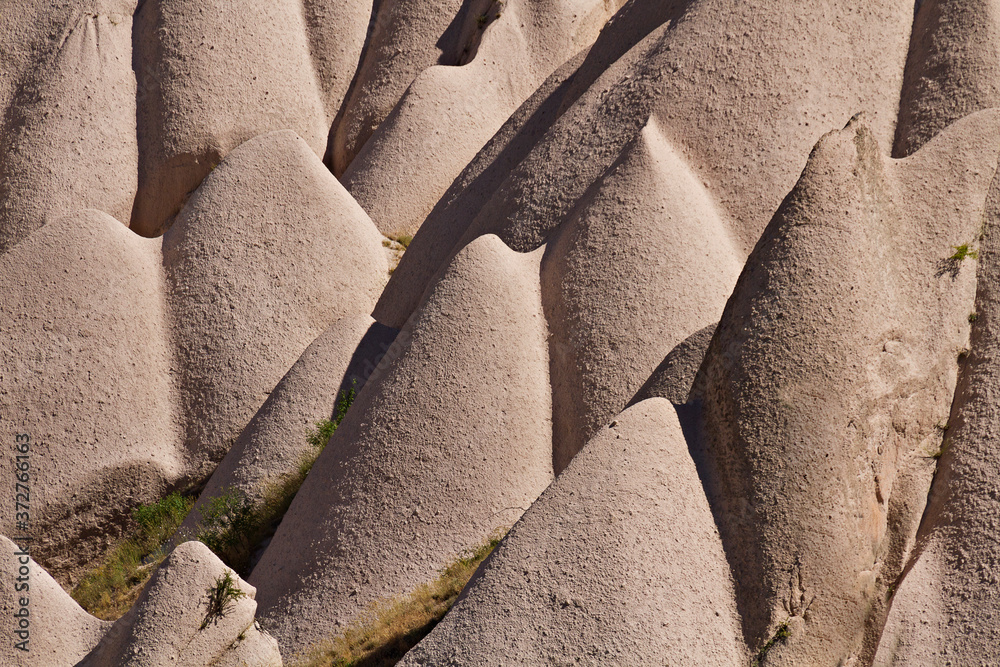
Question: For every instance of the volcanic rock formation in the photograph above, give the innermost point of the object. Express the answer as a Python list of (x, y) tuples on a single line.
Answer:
[(696, 298)]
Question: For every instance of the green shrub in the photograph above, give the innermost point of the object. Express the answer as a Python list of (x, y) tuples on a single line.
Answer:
[(781, 635), (325, 428), (963, 251), (232, 524), (227, 527), (221, 598)]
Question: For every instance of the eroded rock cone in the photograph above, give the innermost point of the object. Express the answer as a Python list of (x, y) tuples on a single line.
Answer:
[(743, 117), (418, 145), (944, 608), (622, 288), (273, 446), (103, 425), (828, 380), (407, 37), (194, 612), (953, 69), (450, 442), (211, 76), (617, 562), (67, 140), (44, 626), (269, 252)]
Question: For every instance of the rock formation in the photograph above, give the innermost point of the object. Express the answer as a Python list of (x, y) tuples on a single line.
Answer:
[(696, 297)]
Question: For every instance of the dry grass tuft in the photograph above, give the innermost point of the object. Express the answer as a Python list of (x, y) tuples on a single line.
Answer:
[(383, 635), (110, 590)]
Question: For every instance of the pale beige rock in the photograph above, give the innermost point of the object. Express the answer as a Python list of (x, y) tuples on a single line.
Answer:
[(830, 373), (59, 633), (170, 623), (953, 68), (448, 113), (675, 375), (267, 254), (645, 261), (444, 227), (256, 649), (743, 117), (618, 562), (945, 609), (408, 36), (274, 443), (67, 140), (85, 372), (336, 31), (449, 442), (212, 75), (629, 26)]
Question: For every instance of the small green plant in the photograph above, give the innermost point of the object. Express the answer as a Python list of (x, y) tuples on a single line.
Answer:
[(973, 317), (227, 525), (890, 591), (221, 598), (391, 628), (325, 428), (781, 635), (232, 524), (110, 590), (320, 435), (405, 240), (964, 251)]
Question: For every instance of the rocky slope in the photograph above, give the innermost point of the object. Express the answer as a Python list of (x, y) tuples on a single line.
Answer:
[(699, 304)]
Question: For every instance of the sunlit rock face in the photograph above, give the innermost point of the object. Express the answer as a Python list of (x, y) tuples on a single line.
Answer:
[(693, 297)]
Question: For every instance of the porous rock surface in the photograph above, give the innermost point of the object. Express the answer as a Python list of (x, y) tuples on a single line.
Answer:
[(58, 633), (267, 254), (588, 576), (945, 608), (102, 427), (786, 448), (613, 204), (67, 136), (450, 442), (523, 45), (174, 623), (622, 288), (212, 75), (274, 444)]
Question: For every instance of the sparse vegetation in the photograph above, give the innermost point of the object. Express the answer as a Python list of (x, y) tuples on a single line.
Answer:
[(973, 317), (382, 636), (228, 525), (232, 524), (325, 428), (110, 590), (781, 635), (964, 251), (951, 265), (221, 598), (397, 246)]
